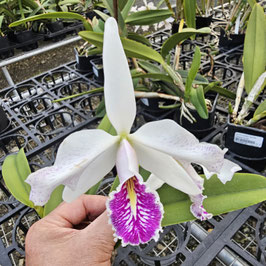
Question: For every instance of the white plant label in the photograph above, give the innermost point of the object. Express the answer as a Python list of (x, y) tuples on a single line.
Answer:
[(250, 140)]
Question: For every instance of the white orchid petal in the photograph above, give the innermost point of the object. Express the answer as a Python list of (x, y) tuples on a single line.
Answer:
[(45, 180), (118, 87), (192, 172), (85, 144), (126, 161), (74, 155), (168, 137), (165, 168), (196, 207), (154, 182), (226, 173), (95, 171)]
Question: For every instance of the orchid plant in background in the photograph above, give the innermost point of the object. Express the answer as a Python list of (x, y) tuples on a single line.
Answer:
[(137, 212)]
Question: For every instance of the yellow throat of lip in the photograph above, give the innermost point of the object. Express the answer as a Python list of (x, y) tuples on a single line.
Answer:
[(132, 195)]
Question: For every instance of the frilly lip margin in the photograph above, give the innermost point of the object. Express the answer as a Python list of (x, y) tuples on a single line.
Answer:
[(109, 211)]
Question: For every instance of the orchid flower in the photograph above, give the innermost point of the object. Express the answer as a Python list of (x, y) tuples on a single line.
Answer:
[(163, 148)]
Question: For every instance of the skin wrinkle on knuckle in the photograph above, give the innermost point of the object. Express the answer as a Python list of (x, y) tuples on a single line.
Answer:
[(101, 243)]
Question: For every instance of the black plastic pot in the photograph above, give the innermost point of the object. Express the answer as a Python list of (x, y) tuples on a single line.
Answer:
[(4, 121), (84, 62), (55, 26), (152, 111), (247, 142), (201, 127), (175, 27), (231, 41), (91, 14), (27, 40), (202, 22), (56, 31), (5, 48), (97, 68)]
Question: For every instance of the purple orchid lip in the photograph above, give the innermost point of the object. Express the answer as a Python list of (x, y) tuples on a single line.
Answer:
[(135, 213)]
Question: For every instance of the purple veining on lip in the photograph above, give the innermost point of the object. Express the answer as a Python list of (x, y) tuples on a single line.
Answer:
[(197, 208), (149, 213)]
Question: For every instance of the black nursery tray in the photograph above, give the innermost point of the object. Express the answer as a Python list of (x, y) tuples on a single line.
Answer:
[(28, 45), (39, 125), (70, 28)]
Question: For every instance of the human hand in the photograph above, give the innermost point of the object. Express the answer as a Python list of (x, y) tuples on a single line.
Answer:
[(55, 239)]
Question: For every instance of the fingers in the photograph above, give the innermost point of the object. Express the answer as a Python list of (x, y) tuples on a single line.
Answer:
[(102, 228), (86, 207)]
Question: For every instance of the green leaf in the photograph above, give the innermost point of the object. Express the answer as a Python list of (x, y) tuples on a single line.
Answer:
[(108, 4), (256, 118), (100, 111), (30, 3), (15, 170), (177, 79), (138, 38), (242, 191), (198, 100), (107, 126), (261, 108), (98, 26), (121, 4), (54, 201), (95, 38), (156, 76), (176, 38), (254, 47), (1, 21), (132, 48), (214, 86), (127, 8), (252, 2), (190, 13), (121, 23), (101, 14), (148, 17), (63, 15), (192, 72), (150, 67), (199, 79)]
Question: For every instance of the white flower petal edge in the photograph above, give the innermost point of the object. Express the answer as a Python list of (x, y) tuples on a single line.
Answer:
[(118, 87), (196, 207), (74, 155), (95, 171), (153, 182), (126, 162), (166, 168), (168, 137), (226, 173)]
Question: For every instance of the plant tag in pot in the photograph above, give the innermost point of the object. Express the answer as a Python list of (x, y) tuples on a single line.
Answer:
[(247, 139)]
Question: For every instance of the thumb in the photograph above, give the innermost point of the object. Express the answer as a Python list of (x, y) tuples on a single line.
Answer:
[(100, 229)]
